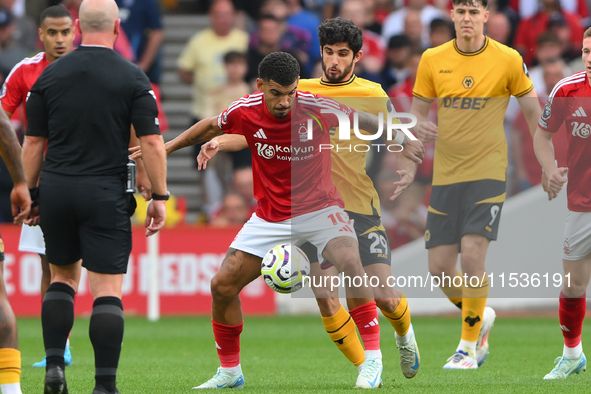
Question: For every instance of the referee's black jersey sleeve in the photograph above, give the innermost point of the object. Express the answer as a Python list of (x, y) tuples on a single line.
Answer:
[(85, 104), (144, 111), (37, 125)]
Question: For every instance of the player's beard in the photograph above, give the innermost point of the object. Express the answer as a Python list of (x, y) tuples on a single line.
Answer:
[(283, 115), (337, 77)]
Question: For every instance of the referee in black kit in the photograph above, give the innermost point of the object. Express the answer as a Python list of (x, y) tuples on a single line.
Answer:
[(83, 106)]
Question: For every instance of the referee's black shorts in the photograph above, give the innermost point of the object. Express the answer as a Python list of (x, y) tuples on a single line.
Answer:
[(86, 218)]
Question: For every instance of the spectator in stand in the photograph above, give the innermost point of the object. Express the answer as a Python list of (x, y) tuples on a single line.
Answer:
[(399, 48), (327, 8), (371, 23), (558, 25), (373, 60), (272, 35), (142, 24), (549, 49), (498, 28), (294, 39), (403, 89), (268, 36), (245, 10), (382, 9), (307, 20), (233, 211), (25, 34), (201, 62), (530, 29), (11, 50), (440, 32), (502, 7), (527, 169), (242, 184), (394, 23), (414, 29), (220, 97), (528, 8)]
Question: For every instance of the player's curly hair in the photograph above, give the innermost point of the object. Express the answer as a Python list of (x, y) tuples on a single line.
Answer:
[(280, 67), (471, 3), (336, 30)]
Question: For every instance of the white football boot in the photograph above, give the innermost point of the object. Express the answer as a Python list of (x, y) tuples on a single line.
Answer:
[(224, 380), (370, 376), (567, 366)]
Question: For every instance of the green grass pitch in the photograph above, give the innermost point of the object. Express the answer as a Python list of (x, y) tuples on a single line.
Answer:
[(294, 355)]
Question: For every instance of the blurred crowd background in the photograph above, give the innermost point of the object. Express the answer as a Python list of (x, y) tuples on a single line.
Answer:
[(209, 52)]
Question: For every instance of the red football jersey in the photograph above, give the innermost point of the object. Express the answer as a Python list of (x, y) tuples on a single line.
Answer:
[(569, 104), (292, 175), (20, 80)]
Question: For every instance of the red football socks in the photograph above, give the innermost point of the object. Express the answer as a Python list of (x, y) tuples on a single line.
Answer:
[(571, 313), (366, 319), (227, 343)]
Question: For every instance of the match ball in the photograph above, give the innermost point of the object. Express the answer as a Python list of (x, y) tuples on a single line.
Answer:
[(285, 268)]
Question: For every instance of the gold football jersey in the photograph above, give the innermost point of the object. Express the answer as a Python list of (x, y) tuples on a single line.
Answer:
[(348, 166), (472, 92)]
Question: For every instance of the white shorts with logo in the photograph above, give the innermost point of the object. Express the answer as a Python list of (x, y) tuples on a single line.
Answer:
[(577, 236), (31, 240), (258, 236)]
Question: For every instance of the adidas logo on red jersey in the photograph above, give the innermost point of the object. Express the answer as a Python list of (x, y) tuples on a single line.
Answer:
[(579, 112), (260, 134)]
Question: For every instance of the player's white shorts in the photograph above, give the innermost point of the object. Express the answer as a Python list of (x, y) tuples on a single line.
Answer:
[(577, 236), (258, 236), (31, 240)]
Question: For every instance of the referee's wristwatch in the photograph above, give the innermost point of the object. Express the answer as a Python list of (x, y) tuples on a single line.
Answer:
[(161, 197)]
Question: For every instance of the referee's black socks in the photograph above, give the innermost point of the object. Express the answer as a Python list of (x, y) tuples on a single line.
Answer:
[(106, 335), (57, 319)]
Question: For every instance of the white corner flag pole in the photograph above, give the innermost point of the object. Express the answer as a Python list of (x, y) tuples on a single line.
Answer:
[(153, 291)]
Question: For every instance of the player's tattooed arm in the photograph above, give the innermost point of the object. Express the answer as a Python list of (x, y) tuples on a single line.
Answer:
[(10, 150)]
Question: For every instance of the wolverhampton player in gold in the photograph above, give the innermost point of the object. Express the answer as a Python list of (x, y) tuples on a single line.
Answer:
[(341, 43), (472, 78)]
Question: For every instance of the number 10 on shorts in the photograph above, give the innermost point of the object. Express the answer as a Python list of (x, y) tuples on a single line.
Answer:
[(339, 219)]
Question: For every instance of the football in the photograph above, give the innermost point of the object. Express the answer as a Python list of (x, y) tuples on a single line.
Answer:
[(285, 268)]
